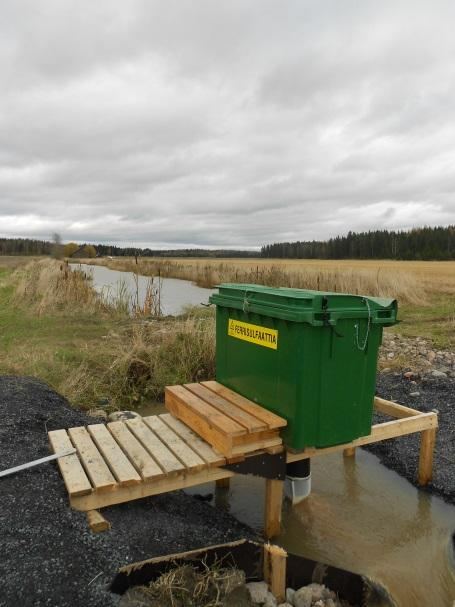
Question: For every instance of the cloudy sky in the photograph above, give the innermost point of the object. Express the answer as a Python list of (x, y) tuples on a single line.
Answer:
[(225, 123)]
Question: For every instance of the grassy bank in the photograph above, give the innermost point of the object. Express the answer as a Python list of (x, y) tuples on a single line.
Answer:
[(53, 326), (425, 289)]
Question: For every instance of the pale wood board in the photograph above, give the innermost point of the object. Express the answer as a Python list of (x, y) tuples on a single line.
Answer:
[(393, 429), (272, 420), (74, 477), (208, 454), (216, 438), (185, 454), (393, 409), (245, 419), (117, 461), (209, 414), (92, 460), (275, 570), (150, 441), (138, 456), (125, 493)]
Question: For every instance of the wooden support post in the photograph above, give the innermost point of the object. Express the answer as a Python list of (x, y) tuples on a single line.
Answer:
[(223, 483), (427, 443), (97, 522), (275, 571), (349, 452), (273, 503)]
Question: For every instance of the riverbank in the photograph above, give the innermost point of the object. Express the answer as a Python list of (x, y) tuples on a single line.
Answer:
[(48, 556)]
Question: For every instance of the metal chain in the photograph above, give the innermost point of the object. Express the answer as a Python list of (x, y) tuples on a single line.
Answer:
[(364, 345)]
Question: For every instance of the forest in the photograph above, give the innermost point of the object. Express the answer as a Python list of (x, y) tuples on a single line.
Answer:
[(417, 244)]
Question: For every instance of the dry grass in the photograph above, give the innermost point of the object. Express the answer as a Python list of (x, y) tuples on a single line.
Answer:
[(380, 279), (49, 285), (187, 586)]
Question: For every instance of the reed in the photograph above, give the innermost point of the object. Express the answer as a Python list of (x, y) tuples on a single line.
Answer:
[(374, 281)]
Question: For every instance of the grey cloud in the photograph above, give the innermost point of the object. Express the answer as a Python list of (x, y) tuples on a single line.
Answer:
[(224, 124)]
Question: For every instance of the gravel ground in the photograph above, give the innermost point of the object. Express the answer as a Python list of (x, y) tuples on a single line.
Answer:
[(49, 556), (425, 393)]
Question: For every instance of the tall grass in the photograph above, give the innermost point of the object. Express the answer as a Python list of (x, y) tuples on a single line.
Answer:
[(381, 282), (131, 362)]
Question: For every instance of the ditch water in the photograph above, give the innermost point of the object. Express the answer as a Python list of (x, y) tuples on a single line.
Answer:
[(175, 294), (363, 517)]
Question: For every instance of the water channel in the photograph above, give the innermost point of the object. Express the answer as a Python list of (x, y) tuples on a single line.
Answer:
[(175, 294), (360, 515)]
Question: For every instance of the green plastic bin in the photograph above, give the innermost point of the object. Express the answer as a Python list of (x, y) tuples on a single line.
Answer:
[(309, 356)]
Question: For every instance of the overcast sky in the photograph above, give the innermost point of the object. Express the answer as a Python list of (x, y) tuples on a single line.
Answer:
[(225, 123)]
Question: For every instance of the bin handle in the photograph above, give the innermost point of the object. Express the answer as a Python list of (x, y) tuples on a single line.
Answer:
[(363, 346)]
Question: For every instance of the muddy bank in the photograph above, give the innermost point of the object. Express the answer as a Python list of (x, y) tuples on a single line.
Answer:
[(424, 393), (48, 556)]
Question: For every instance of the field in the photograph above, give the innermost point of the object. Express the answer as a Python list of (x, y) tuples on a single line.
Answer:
[(53, 326)]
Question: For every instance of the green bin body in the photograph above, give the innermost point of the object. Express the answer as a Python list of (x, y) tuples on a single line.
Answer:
[(308, 356)]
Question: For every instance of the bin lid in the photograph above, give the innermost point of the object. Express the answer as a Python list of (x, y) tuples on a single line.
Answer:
[(300, 305)]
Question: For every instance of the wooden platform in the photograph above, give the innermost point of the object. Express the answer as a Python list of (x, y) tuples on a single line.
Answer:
[(228, 421), (123, 461)]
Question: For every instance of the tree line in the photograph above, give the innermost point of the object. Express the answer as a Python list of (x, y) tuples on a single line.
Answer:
[(420, 243)]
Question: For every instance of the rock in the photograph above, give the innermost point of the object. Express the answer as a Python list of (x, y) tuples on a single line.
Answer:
[(259, 592), (386, 370), (290, 595), (437, 373), (285, 605), (410, 375), (270, 601), (303, 597), (121, 416), (431, 355), (390, 355), (414, 394)]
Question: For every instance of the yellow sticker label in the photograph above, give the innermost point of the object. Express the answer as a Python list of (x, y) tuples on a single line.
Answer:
[(262, 336)]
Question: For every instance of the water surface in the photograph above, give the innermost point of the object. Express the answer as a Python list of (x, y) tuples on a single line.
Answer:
[(175, 294)]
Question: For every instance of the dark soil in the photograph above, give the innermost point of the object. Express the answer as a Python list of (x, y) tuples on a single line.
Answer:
[(402, 454), (48, 556)]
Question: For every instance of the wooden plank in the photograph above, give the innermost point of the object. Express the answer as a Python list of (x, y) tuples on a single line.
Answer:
[(394, 409), (223, 483), (427, 444), (274, 444), (216, 438), (209, 414), (273, 503), (157, 449), (179, 448), (275, 570), (138, 456), (272, 420), (97, 522), (126, 493), (118, 463), (393, 429), (245, 419), (92, 460), (202, 448), (71, 469)]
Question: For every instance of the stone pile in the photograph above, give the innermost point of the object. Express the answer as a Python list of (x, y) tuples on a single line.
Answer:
[(416, 354), (313, 595)]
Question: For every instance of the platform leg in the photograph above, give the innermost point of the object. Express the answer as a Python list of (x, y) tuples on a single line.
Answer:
[(223, 483), (427, 443), (273, 504), (275, 570), (349, 452), (97, 522)]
